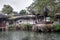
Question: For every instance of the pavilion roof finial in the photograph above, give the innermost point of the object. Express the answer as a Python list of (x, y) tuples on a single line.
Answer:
[(45, 11)]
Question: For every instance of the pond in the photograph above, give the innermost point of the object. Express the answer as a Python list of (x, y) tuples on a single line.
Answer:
[(25, 35)]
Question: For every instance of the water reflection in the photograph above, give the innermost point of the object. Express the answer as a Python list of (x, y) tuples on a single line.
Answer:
[(24, 35)]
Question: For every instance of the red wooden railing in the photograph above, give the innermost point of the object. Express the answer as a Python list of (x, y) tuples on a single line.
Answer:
[(2, 25)]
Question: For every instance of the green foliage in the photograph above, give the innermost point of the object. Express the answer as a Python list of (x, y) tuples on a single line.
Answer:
[(22, 12), (27, 26), (53, 19), (57, 27), (7, 9), (39, 5), (11, 26)]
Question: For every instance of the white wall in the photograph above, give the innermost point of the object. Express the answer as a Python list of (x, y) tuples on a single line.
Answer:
[(23, 21)]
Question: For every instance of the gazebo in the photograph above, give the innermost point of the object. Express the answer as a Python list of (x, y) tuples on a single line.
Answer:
[(3, 21)]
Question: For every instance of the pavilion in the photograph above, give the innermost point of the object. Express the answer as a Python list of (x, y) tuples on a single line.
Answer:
[(3, 20)]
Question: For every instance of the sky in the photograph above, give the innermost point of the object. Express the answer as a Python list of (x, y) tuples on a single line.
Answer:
[(17, 5)]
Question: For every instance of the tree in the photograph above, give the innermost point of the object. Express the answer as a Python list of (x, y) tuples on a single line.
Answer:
[(23, 12), (7, 9), (39, 5)]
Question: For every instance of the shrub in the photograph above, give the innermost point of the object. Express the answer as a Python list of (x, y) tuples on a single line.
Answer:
[(57, 27), (10, 26), (27, 26)]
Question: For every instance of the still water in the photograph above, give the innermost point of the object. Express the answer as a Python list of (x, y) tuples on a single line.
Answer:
[(24, 35)]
